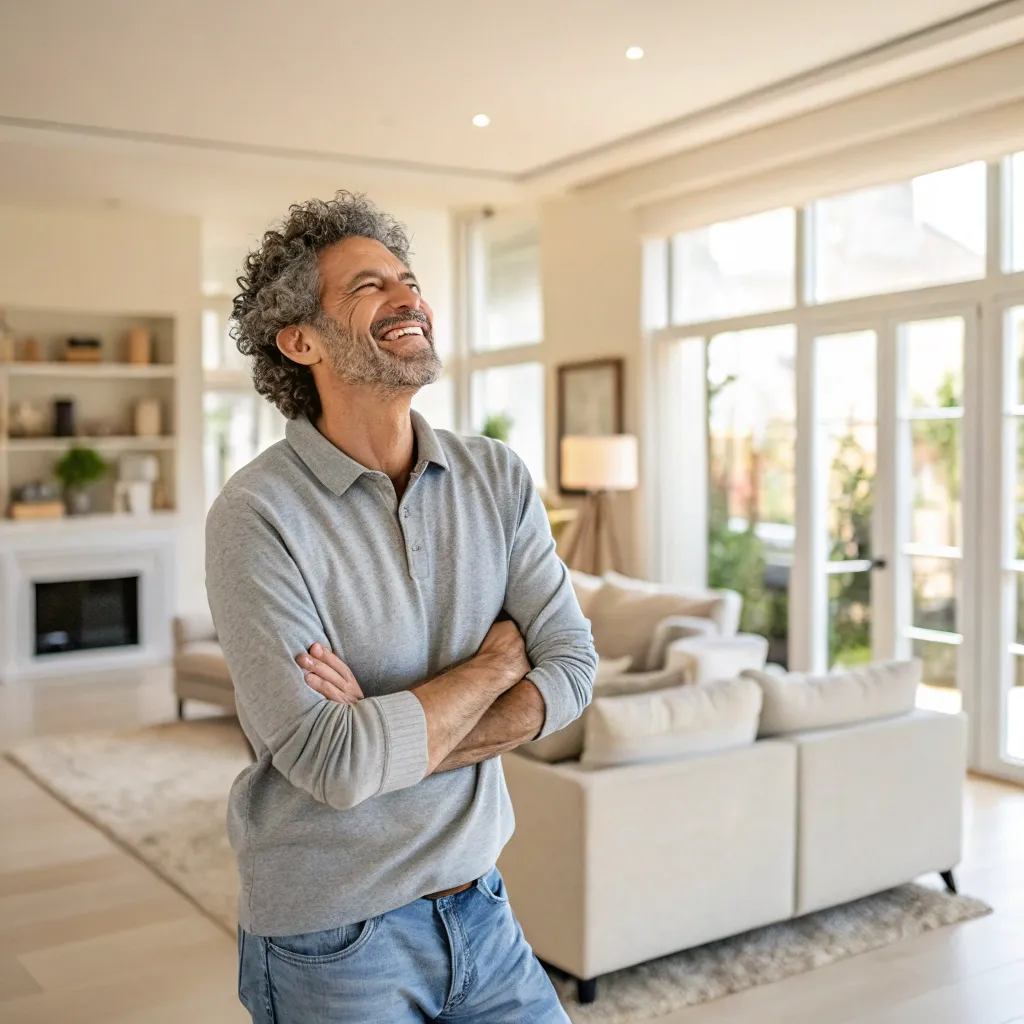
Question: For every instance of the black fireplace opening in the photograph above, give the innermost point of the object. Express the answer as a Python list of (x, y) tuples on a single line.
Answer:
[(83, 615)]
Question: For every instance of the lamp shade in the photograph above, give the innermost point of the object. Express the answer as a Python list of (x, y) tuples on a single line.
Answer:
[(607, 463)]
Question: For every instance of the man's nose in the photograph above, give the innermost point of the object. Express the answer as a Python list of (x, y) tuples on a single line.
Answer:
[(404, 296)]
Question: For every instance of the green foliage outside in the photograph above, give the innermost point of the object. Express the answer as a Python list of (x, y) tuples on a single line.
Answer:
[(737, 560), (81, 467), (499, 426)]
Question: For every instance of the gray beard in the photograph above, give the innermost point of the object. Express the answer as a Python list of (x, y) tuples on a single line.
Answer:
[(359, 364)]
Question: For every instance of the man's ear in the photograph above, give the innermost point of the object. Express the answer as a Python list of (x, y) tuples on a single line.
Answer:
[(300, 344)]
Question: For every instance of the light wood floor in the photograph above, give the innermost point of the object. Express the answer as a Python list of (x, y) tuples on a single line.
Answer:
[(88, 935)]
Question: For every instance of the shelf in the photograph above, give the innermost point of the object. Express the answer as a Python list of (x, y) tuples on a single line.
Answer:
[(96, 370), (60, 444), (166, 519)]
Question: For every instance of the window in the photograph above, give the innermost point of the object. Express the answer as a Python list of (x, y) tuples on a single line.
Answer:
[(1016, 212), (1015, 694), (654, 313), (505, 283), (912, 234), (219, 349), (751, 466), (238, 425), (436, 403), (735, 268), (508, 402), (846, 401)]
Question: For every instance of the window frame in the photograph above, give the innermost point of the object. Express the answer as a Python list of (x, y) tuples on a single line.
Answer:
[(985, 374)]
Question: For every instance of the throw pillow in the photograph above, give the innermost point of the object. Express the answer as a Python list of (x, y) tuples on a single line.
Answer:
[(670, 724), (796, 702), (624, 619), (585, 586)]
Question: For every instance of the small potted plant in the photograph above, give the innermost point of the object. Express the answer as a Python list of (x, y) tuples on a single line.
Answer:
[(80, 468)]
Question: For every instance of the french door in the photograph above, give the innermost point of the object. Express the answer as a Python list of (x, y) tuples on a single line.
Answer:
[(891, 543)]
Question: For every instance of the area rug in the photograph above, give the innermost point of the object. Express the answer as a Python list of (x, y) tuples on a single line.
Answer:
[(161, 792)]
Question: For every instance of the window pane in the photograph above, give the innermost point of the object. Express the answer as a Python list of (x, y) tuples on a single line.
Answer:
[(849, 619), (938, 669), (436, 402), (229, 436), (1015, 712), (935, 517), (505, 263), (219, 349), (509, 401), (1016, 226), (734, 268), (1019, 431), (846, 392), (655, 284), (752, 430), (1015, 334), (911, 234), (935, 362), (933, 581)]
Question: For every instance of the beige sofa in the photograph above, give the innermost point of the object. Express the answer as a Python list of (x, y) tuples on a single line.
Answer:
[(613, 867), (200, 670)]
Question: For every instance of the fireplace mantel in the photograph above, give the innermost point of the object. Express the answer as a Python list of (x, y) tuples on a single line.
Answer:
[(87, 547)]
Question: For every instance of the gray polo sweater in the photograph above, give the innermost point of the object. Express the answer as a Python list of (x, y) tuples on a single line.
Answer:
[(335, 822)]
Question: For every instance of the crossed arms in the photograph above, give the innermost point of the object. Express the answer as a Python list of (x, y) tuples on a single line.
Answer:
[(531, 676), (474, 711)]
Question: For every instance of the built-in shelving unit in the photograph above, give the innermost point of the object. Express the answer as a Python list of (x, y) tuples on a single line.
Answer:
[(88, 370), (105, 394), (109, 444)]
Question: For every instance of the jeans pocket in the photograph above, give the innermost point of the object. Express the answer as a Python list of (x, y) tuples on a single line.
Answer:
[(492, 885), (322, 947)]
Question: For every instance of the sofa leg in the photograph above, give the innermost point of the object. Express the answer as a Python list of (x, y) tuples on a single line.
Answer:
[(947, 877), (181, 709), (586, 991)]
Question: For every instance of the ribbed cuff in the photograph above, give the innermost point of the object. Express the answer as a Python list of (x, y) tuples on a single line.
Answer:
[(405, 739), (559, 709)]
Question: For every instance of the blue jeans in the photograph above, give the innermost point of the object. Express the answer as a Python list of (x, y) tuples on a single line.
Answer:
[(460, 958)]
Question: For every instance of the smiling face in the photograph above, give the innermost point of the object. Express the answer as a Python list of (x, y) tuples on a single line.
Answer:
[(377, 330)]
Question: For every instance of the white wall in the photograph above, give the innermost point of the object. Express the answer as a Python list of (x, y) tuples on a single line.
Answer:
[(109, 261), (591, 271)]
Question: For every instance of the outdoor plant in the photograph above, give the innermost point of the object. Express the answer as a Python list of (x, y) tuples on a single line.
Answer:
[(499, 426)]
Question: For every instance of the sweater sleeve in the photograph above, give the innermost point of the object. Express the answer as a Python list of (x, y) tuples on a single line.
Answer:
[(541, 600), (264, 614)]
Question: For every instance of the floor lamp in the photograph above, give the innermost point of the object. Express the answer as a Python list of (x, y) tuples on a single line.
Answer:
[(600, 466)]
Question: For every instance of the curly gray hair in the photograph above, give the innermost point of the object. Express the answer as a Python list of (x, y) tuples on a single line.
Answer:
[(280, 287)]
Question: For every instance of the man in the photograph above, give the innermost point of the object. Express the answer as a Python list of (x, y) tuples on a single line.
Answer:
[(394, 617)]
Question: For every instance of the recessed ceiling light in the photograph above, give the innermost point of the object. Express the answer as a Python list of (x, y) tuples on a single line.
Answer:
[(481, 120), (634, 53)]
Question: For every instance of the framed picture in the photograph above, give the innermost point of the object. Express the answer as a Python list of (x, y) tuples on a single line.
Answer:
[(589, 402)]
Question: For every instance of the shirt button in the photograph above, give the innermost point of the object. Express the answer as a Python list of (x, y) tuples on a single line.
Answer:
[(405, 514), (416, 547)]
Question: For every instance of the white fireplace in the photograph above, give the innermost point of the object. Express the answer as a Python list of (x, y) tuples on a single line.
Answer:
[(98, 548)]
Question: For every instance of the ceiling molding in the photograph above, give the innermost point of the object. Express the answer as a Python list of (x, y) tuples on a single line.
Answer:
[(91, 131), (992, 27)]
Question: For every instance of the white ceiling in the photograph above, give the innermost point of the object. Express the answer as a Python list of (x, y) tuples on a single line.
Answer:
[(189, 92)]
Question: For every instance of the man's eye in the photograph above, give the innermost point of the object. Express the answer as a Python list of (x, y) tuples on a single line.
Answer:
[(368, 284), (415, 287)]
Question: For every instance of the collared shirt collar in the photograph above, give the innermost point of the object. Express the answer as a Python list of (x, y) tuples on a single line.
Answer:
[(336, 470)]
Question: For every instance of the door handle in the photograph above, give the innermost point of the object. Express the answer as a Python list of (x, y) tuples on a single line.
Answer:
[(879, 563)]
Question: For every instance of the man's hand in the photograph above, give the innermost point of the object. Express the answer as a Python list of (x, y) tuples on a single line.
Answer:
[(505, 650), (329, 675)]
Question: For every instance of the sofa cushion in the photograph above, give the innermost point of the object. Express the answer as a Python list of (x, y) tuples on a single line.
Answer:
[(585, 586), (670, 724), (797, 702), (203, 658), (612, 679), (624, 618)]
